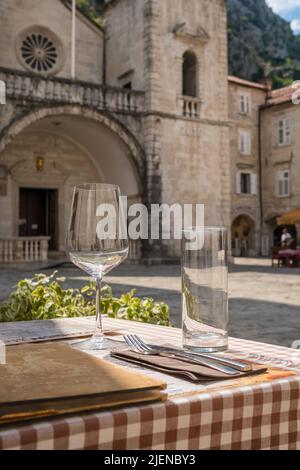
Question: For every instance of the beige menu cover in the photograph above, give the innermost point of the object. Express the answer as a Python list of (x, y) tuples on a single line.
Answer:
[(54, 378)]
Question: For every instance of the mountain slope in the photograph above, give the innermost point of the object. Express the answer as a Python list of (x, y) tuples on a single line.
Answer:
[(261, 43)]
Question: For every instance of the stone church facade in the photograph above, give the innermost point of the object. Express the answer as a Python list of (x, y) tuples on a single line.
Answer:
[(151, 109), (148, 111)]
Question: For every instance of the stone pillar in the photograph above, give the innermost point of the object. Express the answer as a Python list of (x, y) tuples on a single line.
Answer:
[(44, 249), (152, 249), (19, 250)]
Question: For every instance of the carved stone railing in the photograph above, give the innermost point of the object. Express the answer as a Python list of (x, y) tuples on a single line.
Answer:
[(23, 249), (22, 85), (190, 107)]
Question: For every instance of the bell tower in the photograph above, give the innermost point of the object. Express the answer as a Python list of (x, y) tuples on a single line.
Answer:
[(176, 53)]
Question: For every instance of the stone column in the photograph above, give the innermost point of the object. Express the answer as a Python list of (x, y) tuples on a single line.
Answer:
[(152, 249)]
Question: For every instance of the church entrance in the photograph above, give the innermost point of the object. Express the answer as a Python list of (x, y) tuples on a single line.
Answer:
[(38, 214)]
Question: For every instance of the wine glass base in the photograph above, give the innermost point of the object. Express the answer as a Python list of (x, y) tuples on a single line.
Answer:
[(94, 344)]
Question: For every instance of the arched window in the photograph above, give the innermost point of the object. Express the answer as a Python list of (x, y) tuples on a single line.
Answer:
[(189, 74)]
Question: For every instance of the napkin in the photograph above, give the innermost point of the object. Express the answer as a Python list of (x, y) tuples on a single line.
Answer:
[(182, 368)]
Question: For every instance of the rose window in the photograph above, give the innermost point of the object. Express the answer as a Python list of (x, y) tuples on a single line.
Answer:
[(39, 52)]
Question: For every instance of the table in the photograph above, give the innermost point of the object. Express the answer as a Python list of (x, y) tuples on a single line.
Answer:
[(258, 416), (289, 255)]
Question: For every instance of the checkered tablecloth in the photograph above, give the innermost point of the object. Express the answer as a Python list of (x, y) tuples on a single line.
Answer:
[(262, 416)]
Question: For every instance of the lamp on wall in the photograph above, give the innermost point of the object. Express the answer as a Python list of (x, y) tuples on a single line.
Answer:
[(39, 163)]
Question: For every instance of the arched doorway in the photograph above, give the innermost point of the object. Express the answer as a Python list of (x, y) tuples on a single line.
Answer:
[(50, 151), (243, 236)]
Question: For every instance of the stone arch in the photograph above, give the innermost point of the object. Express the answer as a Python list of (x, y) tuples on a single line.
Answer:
[(126, 137), (84, 137), (243, 235)]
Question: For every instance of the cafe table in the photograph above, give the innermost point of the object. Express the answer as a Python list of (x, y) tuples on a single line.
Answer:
[(250, 414)]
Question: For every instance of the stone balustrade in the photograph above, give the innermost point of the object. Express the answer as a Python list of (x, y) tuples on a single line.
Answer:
[(22, 85), (190, 107), (23, 249)]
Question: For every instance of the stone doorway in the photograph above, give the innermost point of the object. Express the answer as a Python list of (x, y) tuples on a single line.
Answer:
[(243, 236), (38, 214)]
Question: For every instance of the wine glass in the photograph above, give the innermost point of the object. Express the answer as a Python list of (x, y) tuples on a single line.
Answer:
[(97, 241)]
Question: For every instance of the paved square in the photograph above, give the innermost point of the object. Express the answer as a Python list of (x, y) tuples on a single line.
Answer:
[(264, 301)]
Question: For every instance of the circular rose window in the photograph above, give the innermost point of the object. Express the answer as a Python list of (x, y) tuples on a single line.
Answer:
[(39, 50)]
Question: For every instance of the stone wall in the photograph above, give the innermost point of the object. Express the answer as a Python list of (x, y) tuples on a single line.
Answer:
[(18, 15)]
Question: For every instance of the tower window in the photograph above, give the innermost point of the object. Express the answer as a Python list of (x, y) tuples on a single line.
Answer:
[(189, 74)]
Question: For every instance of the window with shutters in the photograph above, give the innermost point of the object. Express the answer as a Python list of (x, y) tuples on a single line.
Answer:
[(283, 183), (284, 132), (245, 104), (246, 183), (245, 143)]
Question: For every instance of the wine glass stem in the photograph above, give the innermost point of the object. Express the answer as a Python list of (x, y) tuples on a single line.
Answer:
[(99, 327)]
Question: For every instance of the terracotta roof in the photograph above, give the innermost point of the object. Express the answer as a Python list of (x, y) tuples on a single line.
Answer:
[(283, 95), (247, 83)]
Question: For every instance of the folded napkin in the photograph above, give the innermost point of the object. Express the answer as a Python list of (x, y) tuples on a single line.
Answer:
[(182, 368)]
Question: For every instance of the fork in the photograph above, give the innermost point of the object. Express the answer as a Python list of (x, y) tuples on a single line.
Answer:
[(135, 345), (232, 363)]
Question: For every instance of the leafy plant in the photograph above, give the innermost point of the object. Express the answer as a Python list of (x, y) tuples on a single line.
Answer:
[(43, 297)]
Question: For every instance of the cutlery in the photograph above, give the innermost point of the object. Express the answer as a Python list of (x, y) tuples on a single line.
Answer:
[(137, 347), (234, 364)]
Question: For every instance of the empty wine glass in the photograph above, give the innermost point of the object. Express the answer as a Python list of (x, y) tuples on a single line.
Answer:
[(97, 240)]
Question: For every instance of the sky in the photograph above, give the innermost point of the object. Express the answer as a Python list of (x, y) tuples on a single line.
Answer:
[(289, 10)]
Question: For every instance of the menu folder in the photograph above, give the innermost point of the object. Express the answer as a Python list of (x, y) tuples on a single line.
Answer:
[(52, 379)]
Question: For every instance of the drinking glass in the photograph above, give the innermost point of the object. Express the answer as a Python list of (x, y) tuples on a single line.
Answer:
[(97, 240), (205, 289)]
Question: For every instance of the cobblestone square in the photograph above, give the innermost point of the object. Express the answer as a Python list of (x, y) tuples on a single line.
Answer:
[(264, 301)]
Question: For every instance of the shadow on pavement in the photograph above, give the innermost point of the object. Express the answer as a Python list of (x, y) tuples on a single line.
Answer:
[(264, 321)]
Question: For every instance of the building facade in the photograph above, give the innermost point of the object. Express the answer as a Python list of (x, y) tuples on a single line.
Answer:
[(150, 109), (265, 161)]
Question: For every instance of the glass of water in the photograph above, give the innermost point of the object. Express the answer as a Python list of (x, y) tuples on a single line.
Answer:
[(205, 289), (97, 241)]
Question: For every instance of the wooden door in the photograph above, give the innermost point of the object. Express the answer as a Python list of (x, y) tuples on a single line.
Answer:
[(38, 214)]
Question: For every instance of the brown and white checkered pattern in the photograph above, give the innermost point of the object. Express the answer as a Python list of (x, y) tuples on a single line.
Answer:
[(263, 416)]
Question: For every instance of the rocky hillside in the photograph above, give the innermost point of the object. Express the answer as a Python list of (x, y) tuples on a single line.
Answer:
[(261, 43)]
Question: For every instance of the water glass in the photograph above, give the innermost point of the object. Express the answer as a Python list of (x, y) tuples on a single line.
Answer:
[(205, 289)]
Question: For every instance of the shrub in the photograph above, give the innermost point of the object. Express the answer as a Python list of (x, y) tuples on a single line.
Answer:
[(43, 298)]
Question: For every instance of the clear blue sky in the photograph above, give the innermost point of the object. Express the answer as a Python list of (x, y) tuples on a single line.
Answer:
[(288, 9)]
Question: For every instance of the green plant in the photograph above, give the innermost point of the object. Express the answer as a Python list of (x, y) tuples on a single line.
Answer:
[(43, 297)]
